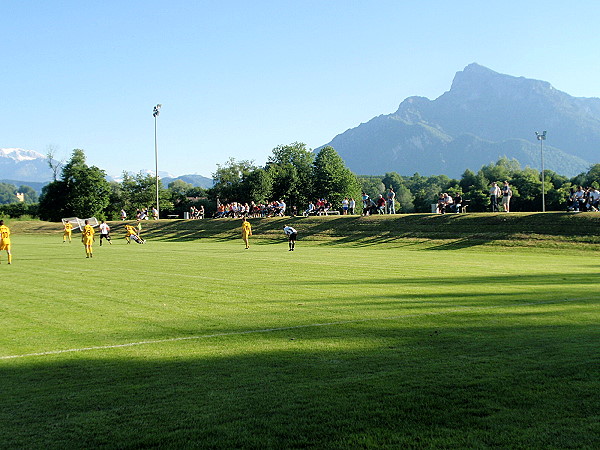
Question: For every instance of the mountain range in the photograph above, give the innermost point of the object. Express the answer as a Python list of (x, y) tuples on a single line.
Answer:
[(19, 166), (24, 165), (484, 116)]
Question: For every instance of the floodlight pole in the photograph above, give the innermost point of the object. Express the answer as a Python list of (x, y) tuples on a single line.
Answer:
[(155, 113), (542, 137)]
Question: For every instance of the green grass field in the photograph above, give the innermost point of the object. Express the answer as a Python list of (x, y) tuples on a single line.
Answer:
[(373, 343)]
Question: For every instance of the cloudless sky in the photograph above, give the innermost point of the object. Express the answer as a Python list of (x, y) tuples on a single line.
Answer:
[(238, 78)]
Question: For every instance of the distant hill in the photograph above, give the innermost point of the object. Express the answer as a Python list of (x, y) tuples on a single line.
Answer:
[(483, 117), (195, 180), (37, 186)]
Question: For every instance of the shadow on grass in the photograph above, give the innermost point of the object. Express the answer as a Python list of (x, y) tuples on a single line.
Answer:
[(436, 385), (446, 283), (436, 231)]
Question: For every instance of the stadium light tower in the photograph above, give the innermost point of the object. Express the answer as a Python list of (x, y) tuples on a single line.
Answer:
[(155, 113), (542, 137)]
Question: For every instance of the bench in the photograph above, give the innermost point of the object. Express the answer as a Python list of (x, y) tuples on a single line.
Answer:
[(332, 212), (173, 216)]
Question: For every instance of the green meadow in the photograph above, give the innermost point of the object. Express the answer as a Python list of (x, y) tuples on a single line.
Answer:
[(419, 331)]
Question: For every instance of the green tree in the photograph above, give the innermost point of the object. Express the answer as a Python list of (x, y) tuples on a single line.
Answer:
[(392, 180), (502, 170), (229, 179), (139, 191), (592, 176), (179, 187), (290, 169), (332, 179), (53, 201), (113, 210), (8, 193), (372, 185), (475, 188), (82, 191), (529, 187), (406, 200), (258, 186)]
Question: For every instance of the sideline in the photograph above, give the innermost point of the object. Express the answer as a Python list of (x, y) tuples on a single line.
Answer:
[(295, 327)]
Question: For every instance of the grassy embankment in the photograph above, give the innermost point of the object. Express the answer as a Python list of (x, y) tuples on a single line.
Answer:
[(451, 231)]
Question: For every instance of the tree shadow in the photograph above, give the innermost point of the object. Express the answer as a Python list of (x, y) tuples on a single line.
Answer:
[(443, 383), (437, 231)]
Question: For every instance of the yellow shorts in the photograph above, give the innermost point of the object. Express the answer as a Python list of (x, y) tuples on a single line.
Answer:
[(88, 240), (4, 246)]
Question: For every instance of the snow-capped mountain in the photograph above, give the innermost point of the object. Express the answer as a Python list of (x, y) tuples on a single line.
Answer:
[(18, 154), (25, 165)]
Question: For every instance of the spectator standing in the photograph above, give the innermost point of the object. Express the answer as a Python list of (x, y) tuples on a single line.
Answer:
[(345, 204), (506, 196), (494, 194), (366, 201), (351, 206), (391, 201)]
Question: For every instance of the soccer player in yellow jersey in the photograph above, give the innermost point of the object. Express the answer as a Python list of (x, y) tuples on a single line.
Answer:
[(246, 232), (130, 232), (67, 232), (87, 237), (5, 240)]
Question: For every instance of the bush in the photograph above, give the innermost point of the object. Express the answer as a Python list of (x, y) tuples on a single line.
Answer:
[(17, 210)]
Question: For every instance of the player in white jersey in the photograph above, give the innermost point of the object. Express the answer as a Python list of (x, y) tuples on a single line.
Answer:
[(292, 235), (104, 232)]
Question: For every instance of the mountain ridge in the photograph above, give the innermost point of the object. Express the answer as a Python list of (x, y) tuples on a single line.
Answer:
[(502, 111)]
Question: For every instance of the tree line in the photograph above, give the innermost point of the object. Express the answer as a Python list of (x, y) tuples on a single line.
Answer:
[(292, 173), (416, 193)]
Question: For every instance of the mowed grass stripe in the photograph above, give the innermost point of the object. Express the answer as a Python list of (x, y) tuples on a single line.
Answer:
[(460, 310)]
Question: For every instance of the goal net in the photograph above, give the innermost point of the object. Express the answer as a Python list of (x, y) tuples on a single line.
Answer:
[(80, 223)]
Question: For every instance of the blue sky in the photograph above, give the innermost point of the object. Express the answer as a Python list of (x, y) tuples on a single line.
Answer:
[(238, 78)]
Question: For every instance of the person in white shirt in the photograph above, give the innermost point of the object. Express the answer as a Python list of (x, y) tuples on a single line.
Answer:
[(104, 232), (494, 194), (580, 198), (593, 199), (345, 204), (292, 235)]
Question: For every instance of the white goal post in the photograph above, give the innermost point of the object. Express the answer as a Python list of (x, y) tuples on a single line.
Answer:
[(80, 223)]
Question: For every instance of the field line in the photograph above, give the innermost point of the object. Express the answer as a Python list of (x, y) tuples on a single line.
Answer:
[(294, 327)]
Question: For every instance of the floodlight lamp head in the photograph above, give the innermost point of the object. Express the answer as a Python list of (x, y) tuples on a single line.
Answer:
[(156, 110), (541, 136)]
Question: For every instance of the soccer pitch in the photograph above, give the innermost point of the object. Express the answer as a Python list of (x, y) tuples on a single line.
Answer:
[(206, 344)]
